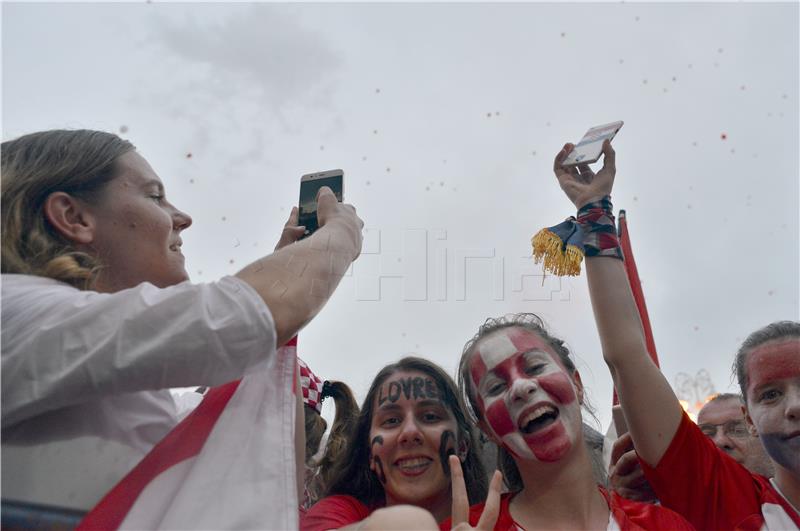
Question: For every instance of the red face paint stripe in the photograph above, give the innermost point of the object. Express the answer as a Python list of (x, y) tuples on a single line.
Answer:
[(525, 341), (558, 386), (773, 362), (499, 419), (477, 369)]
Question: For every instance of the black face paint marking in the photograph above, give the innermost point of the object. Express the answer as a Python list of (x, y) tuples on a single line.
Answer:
[(418, 386), (446, 450), (430, 389), (379, 472), (413, 388), (394, 392)]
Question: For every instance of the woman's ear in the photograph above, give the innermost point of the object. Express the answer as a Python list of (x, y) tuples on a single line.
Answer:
[(576, 379), (70, 217)]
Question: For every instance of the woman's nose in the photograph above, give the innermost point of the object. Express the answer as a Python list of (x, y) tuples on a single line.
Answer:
[(410, 432)]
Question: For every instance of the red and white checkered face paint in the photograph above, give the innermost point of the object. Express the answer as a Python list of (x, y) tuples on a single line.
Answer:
[(311, 386), (525, 394)]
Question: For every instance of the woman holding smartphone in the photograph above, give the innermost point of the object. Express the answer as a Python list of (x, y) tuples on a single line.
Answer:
[(527, 396), (396, 460), (687, 472)]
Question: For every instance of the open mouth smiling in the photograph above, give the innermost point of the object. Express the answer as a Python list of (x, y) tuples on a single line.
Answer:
[(537, 418), (414, 465)]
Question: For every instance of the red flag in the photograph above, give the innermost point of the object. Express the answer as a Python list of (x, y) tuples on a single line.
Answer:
[(636, 287)]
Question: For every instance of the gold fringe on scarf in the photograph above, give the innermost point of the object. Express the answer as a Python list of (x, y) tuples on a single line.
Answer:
[(547, 247)]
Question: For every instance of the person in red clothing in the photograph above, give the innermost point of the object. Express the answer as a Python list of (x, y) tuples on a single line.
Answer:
[(527, 396), (687, 472), (394, 470)]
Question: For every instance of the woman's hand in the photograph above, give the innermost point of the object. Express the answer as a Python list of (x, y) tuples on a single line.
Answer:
[(579, 182), (291, 231), (460, 513)]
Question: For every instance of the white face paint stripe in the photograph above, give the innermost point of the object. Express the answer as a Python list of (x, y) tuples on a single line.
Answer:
[(517, 444), (495, 349)]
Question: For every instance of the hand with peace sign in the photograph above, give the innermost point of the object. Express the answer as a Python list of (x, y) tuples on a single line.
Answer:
[(460, 514)]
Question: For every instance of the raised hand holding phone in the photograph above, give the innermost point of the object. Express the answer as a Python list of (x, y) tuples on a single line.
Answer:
[(460, 511), (310, 185), (580, 183)]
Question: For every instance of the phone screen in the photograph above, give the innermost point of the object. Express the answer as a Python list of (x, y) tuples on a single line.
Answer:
[(308, 199), (590, 147)]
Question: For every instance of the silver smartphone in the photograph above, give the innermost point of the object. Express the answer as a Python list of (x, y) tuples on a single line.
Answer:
[(590, 147), (309, 186)]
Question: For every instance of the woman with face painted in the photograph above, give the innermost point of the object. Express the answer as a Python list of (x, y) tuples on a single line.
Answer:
[(687, 472), (526, 395), (411, 420)]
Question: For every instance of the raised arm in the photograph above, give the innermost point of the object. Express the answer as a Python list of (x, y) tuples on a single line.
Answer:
[(650, 406), (297, 280)]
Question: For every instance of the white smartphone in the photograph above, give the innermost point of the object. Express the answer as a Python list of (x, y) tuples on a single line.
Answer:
[(620, 424), (309, 186), (590, 147)]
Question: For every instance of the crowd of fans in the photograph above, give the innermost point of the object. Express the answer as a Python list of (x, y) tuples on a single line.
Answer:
[(100, 320)]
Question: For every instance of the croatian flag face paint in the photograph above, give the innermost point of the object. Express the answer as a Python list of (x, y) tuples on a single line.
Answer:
[(525, 394), (773, 400)]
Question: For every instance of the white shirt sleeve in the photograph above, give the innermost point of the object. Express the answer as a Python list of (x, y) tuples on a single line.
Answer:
[(63, 346)]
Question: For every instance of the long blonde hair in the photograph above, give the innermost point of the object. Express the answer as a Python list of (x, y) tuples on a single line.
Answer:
[(78, 162)]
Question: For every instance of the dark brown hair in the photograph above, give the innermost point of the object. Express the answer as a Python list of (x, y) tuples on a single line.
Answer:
[(80, 163), (352, 476)]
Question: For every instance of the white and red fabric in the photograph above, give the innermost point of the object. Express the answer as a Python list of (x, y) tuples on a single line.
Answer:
[(230, 464), (311, 386), (707, 487)]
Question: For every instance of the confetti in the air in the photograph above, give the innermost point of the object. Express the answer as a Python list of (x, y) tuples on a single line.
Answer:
[(364, 157), (231, 260), (322, 148), (123, 129), (644, 81), (188, 155), (377, 91), (191, 181), (374, 131), (223, 218), (388, 170), (723, 136), (488, 115), (367, 183), (200, 272), (237, 242), (621, 61), (427, 188)]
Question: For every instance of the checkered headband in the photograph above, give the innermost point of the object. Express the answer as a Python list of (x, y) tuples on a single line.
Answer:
[(311, 386)]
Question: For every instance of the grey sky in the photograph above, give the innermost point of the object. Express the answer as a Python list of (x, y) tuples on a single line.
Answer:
[(445, 119)]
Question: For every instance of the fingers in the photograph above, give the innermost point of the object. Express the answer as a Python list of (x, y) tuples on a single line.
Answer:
[(560, 156), (609, 157), (460, 510), (294, 217), (621, 445), (491, 508), (628, 464)]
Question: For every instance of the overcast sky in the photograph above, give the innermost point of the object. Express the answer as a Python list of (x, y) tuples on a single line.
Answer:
[(445, 119)]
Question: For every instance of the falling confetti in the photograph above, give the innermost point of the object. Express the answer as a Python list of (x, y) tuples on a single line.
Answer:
[(733, 150), (374, 131), (533, 153), (223, 218), (621, 61), (497, 113), (694, 144), (123, 129), (742, 87), (488, 115), (364, 157), (689, 206), (441, 183), (191, 181), (322, 148), (377, 91), (388, 170), (427, 188), (665, 90), (635, 198), (367, 183), (188, 155), (636, 19), (231, 260), (690, 65), (674, 79), (644, 81), (696, 328), (719, 50), (770, 292), (723, 136), (200, 272), (563, 34), (238, 243)]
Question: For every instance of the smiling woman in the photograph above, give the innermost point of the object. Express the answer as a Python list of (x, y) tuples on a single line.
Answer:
[(412, 419), (99, 318)]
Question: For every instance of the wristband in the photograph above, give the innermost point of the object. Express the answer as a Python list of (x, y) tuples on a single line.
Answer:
[(563, 246)]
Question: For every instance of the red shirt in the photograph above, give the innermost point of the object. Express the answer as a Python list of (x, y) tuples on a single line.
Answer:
[(711, 490), (626, 515), (333, 512)]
